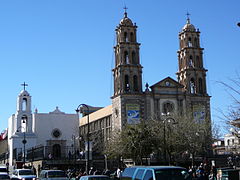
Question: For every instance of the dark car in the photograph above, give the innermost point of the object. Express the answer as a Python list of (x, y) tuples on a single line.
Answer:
[(155, 173), (4, 177)]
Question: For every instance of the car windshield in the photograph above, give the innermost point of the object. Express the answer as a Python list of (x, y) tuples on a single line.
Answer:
[(52, 174), (171, 174), (26, 172), (4, 176)]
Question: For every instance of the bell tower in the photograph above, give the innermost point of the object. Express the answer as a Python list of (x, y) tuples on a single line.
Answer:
[(127, 72), (191, 72), (192, 75), (23, 116), (127, 100), (21, 135)]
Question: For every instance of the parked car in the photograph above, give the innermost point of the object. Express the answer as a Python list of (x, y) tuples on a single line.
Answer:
[(3, 169), (95, 177), (52, 175), (26, 174), (155, 173), (4, 177)]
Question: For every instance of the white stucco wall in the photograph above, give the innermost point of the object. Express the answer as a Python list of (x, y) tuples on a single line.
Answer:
[(45, 123)]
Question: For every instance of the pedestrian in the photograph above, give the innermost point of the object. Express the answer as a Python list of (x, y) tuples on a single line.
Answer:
[(34, 170), (96, 172), (119, 172), (91, 171)]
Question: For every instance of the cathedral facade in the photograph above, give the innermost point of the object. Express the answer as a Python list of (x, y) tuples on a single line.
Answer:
[(130, 103)]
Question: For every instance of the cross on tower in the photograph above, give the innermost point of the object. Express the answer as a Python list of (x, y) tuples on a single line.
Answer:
[(24, 85), (188, 15), (125, 13), (125, 8)]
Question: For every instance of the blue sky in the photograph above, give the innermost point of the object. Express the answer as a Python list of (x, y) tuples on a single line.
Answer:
[(63, 49)]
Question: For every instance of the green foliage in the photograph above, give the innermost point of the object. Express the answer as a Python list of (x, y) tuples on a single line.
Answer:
[(170, 137)]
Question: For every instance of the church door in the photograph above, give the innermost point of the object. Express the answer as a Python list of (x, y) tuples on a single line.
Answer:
[(56, 149)]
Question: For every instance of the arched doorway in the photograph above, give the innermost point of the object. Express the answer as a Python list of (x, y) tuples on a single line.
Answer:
[(56, 151)]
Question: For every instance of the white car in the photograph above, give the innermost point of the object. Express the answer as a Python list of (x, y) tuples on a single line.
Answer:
[(3, 169), (53, 175), (26, 174)]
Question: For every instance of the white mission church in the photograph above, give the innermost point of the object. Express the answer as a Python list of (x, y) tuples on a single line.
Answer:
[(54, 129)]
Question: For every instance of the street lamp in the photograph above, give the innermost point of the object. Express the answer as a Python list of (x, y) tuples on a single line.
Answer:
[(88, 130), (24, 141), (74, 147), (166, 120)]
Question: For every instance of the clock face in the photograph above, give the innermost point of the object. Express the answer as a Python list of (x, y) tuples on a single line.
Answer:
[(167, 83), (56, 133)]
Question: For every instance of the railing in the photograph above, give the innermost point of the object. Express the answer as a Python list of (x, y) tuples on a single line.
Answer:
[(49, 153)]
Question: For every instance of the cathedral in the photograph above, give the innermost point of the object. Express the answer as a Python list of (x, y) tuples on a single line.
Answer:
[(130, 103)]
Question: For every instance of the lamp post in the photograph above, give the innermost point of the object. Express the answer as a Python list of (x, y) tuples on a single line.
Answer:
[(88, 130), (24, 141), (74, 148), (166, 120), (106, 165)]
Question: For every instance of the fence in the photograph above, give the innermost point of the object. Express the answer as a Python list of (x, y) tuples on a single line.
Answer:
[(48, 153)]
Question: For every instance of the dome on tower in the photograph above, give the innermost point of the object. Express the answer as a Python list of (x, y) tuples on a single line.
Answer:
[(126, 21), (24, 93), (188, 26)]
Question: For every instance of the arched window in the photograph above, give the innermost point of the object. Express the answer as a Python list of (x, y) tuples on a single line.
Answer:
[(134, 59), (200, 84), (126, 57), (125, 37), (131, 37), (228, 142), (24, 104), (197, 61), (191, 64), (181, 63), (126, 85), (192, 86), (56, 151), (168, 107), (195, 42), (135, 83), (24, 121), (189, 42)]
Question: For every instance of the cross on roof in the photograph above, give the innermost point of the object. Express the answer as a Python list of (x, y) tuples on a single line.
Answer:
[(125, 9), (188, 15), (24, 85)]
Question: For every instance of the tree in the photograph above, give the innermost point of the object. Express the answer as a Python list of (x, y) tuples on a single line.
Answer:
[(232, 116), (134, 141), (181, 136), (170, 138)]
